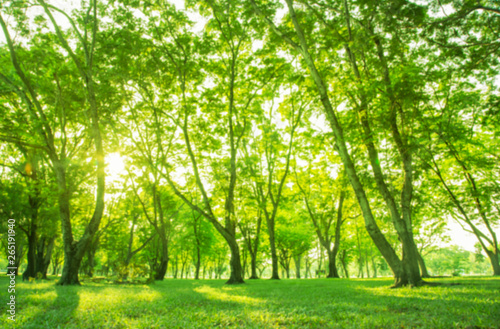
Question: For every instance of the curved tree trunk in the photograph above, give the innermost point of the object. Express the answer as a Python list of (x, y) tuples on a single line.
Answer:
[(494, 262)]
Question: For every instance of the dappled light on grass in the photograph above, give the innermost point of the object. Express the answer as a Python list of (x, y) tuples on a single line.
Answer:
[(218, 295), (41, 297), (318, 303), (112, 297)]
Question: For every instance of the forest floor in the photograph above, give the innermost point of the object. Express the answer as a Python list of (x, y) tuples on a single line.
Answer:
[(314, 303)]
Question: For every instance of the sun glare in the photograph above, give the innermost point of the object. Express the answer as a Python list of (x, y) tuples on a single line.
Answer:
[(115, 167)]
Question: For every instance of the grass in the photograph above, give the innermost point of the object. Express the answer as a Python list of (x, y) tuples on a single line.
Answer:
[(318, 303)]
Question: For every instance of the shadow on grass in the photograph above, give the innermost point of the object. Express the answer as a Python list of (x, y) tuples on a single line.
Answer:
[(332, 304), (318, 303), (58, 313)]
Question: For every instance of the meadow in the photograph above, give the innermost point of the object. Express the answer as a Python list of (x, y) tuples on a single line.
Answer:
[(316, 303)]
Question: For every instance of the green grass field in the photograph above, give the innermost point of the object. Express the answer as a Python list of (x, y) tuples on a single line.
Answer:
[(318, 303)]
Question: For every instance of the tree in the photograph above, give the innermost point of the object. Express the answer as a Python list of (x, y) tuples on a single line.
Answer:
[(319, 199), (292, 241), (267, 187), (250, 227), (406, 271), (55, 146)]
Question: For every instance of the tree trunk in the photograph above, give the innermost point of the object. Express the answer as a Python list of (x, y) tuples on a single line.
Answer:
[(320, 263), (20, 251), (161, 270), (72, 263), (374, 266), (176, 268), (494, 262), (308, 268), (332, 266), (344, 265), (274, 254), (367, 265), (332, 261), (198, 263), (253, 265), (423, 268), (91, 259), (44, 254), (243, 256), (236, 275), (360, 265), (30, 271), (71, 267), (297, 260)]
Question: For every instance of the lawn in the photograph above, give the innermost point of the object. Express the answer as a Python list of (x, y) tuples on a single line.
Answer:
[(317, 303)]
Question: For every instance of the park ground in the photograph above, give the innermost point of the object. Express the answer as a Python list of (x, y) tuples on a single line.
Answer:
[(314, 303)]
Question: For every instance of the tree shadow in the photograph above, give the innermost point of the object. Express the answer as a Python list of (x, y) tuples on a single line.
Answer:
[(327, 304), (59, 313)]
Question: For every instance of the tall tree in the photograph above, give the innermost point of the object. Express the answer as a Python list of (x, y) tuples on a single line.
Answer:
[(84, 33), (327, 218), (405, 271)]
